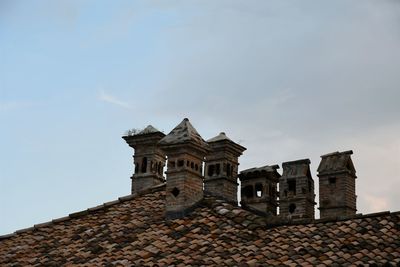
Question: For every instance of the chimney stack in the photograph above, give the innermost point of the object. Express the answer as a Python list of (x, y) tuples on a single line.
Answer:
[(221, 167), (185, 150), (259, 188), (149, 159), (337, 186), (296, 188)]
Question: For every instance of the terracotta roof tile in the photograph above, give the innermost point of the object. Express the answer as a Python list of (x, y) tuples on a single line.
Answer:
[(133, 231)]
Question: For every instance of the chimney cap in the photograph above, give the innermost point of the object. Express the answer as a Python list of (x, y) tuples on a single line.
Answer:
[(336, 161), (183, 133), (296, 162), (221, 136), (336, 153)]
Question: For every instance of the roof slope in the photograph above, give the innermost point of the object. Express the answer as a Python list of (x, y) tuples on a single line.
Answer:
[(133, 231)]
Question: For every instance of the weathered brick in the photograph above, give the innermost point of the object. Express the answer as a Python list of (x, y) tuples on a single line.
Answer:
[(296, 188), (337, 176), (149, 159)]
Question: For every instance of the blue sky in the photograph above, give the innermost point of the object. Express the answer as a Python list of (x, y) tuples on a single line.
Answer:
[(286, 79)]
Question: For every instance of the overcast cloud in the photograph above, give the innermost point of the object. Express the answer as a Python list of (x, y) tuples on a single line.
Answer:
[(295, 79)]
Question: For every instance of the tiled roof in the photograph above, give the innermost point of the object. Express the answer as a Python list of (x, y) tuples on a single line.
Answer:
[(184, 132), (133, 231)]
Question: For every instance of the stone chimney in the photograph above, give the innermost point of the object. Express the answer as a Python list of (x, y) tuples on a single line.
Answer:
[(221, 167), (259, 188), (296, 188), (185, 150), (337, 185), (149, 159)]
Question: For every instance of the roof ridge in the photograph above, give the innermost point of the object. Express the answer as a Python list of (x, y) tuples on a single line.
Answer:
[(237, 214), (255, 219), (82, 213), (356, 216)]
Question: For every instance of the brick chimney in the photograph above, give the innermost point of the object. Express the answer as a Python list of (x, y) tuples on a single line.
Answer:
[(149, 159), (337, 185), (221, 167), (259, 188), (296, 188), (185, 150)]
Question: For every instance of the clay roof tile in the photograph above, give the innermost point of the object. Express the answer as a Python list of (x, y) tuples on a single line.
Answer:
[(133, 231)]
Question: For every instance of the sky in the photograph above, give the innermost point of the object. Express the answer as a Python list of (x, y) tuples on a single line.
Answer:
[(286, 79)]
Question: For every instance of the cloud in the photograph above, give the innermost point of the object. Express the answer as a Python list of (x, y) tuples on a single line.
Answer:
[(8, 105), (106, 97), (13, 105), (376, 203), (377, 161), (286, 79), (230, 66), (341, 66)]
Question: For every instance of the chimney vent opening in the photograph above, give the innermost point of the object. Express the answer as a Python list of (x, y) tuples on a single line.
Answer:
[(248, 191), (292, 208), (259, 190), (175, 192)]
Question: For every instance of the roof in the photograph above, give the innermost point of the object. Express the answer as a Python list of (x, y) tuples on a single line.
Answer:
[(184, 132), (133, 231), (336, 162)]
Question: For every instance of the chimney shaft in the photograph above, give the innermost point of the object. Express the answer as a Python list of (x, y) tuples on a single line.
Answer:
[(296, 191), (185, 150), (259, 188), (337, 186), (221, 168), (148, 159)]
